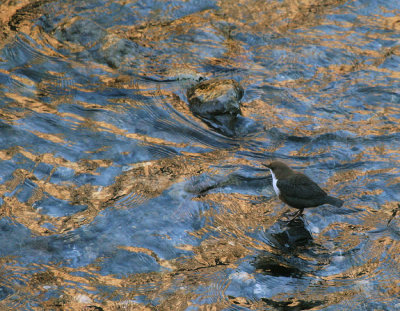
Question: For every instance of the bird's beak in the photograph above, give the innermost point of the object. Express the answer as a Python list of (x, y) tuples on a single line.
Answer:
[(267, 165)]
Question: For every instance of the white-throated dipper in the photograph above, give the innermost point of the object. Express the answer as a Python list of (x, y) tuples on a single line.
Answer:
[(298, 190)]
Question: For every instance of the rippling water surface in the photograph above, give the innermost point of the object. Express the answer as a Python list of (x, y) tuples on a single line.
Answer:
[(115, 196)]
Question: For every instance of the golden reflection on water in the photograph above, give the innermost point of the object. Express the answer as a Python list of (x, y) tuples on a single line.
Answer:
[(146, 180), (149, 179)]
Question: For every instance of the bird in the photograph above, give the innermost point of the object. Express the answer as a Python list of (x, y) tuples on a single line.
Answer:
[(297, 189)]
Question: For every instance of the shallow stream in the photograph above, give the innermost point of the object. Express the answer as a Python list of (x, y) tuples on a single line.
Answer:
[(114, 196)]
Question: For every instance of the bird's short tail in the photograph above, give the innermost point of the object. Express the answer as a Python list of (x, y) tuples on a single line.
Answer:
[(334, 201)]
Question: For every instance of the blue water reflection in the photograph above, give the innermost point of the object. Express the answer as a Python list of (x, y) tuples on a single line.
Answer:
[(115, 195)]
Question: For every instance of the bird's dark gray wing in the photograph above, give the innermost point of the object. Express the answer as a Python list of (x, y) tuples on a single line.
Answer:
[(300, 186)]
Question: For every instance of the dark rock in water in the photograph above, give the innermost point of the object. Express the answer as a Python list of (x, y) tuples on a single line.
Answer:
[(292, 234), (289, 235), (215, 97), (217, 102)]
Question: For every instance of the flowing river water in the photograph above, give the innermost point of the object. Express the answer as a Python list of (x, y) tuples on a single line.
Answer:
[(115, 196)]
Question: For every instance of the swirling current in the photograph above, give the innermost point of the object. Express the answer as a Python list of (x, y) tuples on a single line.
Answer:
[(115, 196)]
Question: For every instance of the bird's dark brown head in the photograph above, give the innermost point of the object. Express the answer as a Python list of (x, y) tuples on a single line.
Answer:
[(280, 169)]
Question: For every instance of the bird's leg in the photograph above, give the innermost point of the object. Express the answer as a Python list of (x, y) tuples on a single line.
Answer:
[(299, 213)]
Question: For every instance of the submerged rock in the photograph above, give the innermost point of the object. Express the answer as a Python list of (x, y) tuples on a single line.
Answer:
[(217, 102), (80, 31), (92, 42), (116, 51)]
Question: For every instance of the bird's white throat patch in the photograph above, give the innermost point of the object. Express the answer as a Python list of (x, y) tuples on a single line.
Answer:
[(274, 183)]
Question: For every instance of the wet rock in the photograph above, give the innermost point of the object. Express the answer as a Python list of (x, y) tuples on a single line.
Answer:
[(291, 234), (217, 102)]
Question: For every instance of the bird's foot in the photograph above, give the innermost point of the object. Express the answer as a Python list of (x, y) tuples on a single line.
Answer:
[(298, 214)]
